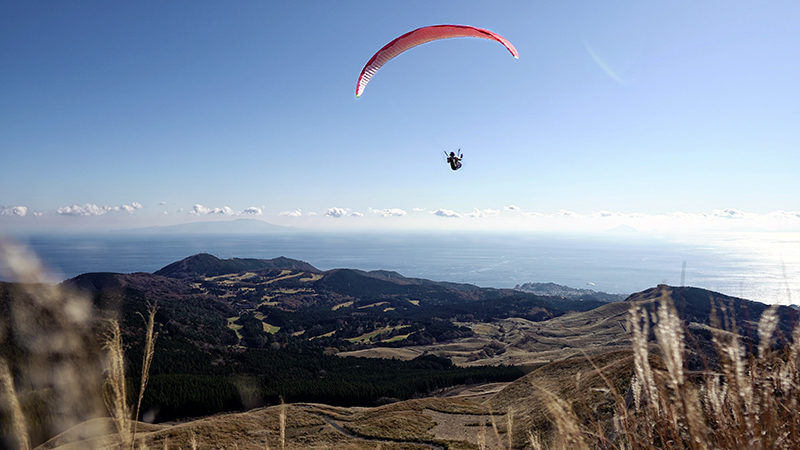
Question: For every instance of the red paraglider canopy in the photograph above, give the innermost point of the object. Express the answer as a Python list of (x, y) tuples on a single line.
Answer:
[(421, 36)]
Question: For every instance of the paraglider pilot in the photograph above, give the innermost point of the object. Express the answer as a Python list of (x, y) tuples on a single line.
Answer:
[(455, 161)]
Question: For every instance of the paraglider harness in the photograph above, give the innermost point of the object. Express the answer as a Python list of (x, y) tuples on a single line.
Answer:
[(453, 160)]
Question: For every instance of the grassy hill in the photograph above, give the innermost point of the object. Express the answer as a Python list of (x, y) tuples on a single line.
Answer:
[(240, 334)]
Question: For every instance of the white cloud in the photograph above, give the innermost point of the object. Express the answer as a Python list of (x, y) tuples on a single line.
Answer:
[(336, 212), (162, 203), (252, 211), (295, 213), (728, 213), (357, 214), (19, 211), (87, 209), (37, 214), (418, 209), (478, 213), (92, 209), (784, 214), (388, 212), (446, 213), (512, 208), (132, 207), (200, 210), (729, 219)]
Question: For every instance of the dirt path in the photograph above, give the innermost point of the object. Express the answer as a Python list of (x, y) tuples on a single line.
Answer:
[(473, 391)]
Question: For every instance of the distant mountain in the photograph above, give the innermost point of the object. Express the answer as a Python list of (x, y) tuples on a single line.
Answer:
[(694, 305), (207, 265), (236, 226), (266, 303), (557, 290)]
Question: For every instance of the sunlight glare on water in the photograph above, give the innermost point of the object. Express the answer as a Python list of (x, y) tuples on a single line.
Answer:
[(762, 266)]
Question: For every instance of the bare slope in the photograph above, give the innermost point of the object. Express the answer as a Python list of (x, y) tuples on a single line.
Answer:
[(519, 341), (433, 423)]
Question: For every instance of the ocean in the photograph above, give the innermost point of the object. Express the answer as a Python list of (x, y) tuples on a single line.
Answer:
[(756, 266)]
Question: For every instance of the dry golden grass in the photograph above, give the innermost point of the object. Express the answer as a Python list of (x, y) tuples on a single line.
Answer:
[(18, 429), (285, 274), (52, 332), (398, 338), (282, 424), (525, 343), (235, 326), (572, 387), (269, 328), (372, 305), (114, 393), (369, 337), (292, 291), (393, 425), (147, 360), (341, 305), (751, 402), (311, 277)]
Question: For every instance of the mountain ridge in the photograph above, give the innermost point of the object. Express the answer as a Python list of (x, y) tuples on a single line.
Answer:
[(558, 290), (205, 264)]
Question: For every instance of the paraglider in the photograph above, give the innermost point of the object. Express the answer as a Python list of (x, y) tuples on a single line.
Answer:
[(421, 36), (454, 160)]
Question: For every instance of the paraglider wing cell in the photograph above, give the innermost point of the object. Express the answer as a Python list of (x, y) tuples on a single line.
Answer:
[(421, 36)]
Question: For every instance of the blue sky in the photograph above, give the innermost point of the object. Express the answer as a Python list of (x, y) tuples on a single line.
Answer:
[(120, 114)]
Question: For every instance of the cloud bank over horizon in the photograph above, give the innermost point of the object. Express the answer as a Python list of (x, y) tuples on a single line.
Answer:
[(448, 213), (92, 209), (200, 210), (509, 217), (388, 212), (19, 211)]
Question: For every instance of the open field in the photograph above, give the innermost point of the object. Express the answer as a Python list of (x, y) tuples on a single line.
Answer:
[(414, 424), (342, 305), (234, 326), (372, 305), (368, 337)]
